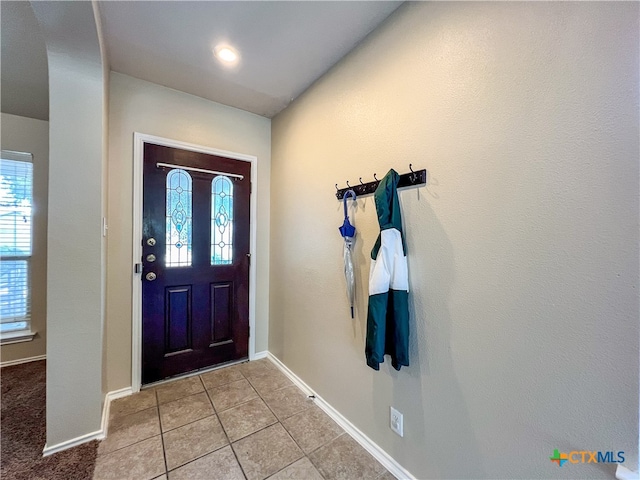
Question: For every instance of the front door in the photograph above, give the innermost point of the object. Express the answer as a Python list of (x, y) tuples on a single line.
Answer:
[(195, 257)]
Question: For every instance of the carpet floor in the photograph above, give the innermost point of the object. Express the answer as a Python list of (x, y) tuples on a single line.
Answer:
[(23, 431)]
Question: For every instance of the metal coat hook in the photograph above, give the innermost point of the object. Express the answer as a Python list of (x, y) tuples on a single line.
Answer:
[(412, 178)]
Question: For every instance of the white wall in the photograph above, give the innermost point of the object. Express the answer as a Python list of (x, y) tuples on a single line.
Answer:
[(23, 134), (523, 248), (75, 267), (139, 106)]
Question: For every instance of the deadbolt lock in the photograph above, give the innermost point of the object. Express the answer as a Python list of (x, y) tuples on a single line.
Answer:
[(151, 241), (151, 257)]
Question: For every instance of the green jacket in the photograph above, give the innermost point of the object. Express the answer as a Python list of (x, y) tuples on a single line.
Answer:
[(388, 315)]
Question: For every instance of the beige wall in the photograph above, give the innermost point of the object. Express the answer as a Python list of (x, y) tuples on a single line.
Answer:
[(523, 248), (139, 106), (23, 134)]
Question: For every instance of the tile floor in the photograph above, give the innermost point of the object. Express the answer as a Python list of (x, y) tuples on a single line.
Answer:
[(247, 421)]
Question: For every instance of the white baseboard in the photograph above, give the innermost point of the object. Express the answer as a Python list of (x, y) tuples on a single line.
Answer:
[(260, 355), (19, 361), (623, 473), (106, 408), (369, 445), (97, 435), (74, 442)]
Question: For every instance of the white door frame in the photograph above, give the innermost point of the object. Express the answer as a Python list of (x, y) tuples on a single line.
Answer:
[(139, 139)]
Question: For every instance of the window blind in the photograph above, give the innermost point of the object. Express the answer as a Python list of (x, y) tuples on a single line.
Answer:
[(16, 199), (14, 285)]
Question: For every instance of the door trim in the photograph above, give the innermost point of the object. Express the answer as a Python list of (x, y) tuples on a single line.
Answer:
[(139, 139)]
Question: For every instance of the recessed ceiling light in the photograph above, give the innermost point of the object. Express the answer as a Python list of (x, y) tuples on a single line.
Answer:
[(226, 54)]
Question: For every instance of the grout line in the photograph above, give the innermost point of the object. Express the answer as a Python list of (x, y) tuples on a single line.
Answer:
[(259, 430), (304, 454), (267, 405), (278, 422), (291, 416), (228, 444), (277, 372), (236, 405), (164, 453), (279, 389), (300, 413), (225, 431), (232, 449), (294, 440), (138, 441), (202, 383), (287, 466), (238, 460), (198, 458), (189, 423), (327, 443), (317, 467), (179, 398), (102, 455), (225, 383), (213, 406), (211, 401)]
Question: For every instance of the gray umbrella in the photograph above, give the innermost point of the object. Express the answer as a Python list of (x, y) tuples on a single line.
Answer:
[(348, 232)]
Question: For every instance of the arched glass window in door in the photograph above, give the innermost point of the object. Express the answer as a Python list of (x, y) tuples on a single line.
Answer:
[(178, 219), (221, 221)]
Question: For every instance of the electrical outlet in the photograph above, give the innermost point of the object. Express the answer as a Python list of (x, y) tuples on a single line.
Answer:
[(395, 421)]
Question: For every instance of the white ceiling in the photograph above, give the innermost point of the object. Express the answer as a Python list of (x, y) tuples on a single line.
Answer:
[(284, 47)]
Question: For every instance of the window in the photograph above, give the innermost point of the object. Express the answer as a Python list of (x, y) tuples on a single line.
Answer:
[(178, 215), (16, 198), (221, 221)]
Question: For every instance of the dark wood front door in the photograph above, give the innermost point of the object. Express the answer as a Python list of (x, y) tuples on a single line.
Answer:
[(195, 256)]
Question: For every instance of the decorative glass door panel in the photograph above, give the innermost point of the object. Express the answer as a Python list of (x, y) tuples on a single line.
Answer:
[(221, 221), (178, 219)]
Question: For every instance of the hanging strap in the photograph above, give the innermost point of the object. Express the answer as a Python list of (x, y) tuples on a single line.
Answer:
[(346, 195)]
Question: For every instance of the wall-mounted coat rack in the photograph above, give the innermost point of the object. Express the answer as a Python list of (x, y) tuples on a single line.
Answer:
[(418, 177)]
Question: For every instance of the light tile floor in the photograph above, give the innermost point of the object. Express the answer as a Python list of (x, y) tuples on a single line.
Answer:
[(247, 421)]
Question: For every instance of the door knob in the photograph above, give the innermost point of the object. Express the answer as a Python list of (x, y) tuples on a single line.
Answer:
[(151, 241), (151, 257), (150, 276)]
